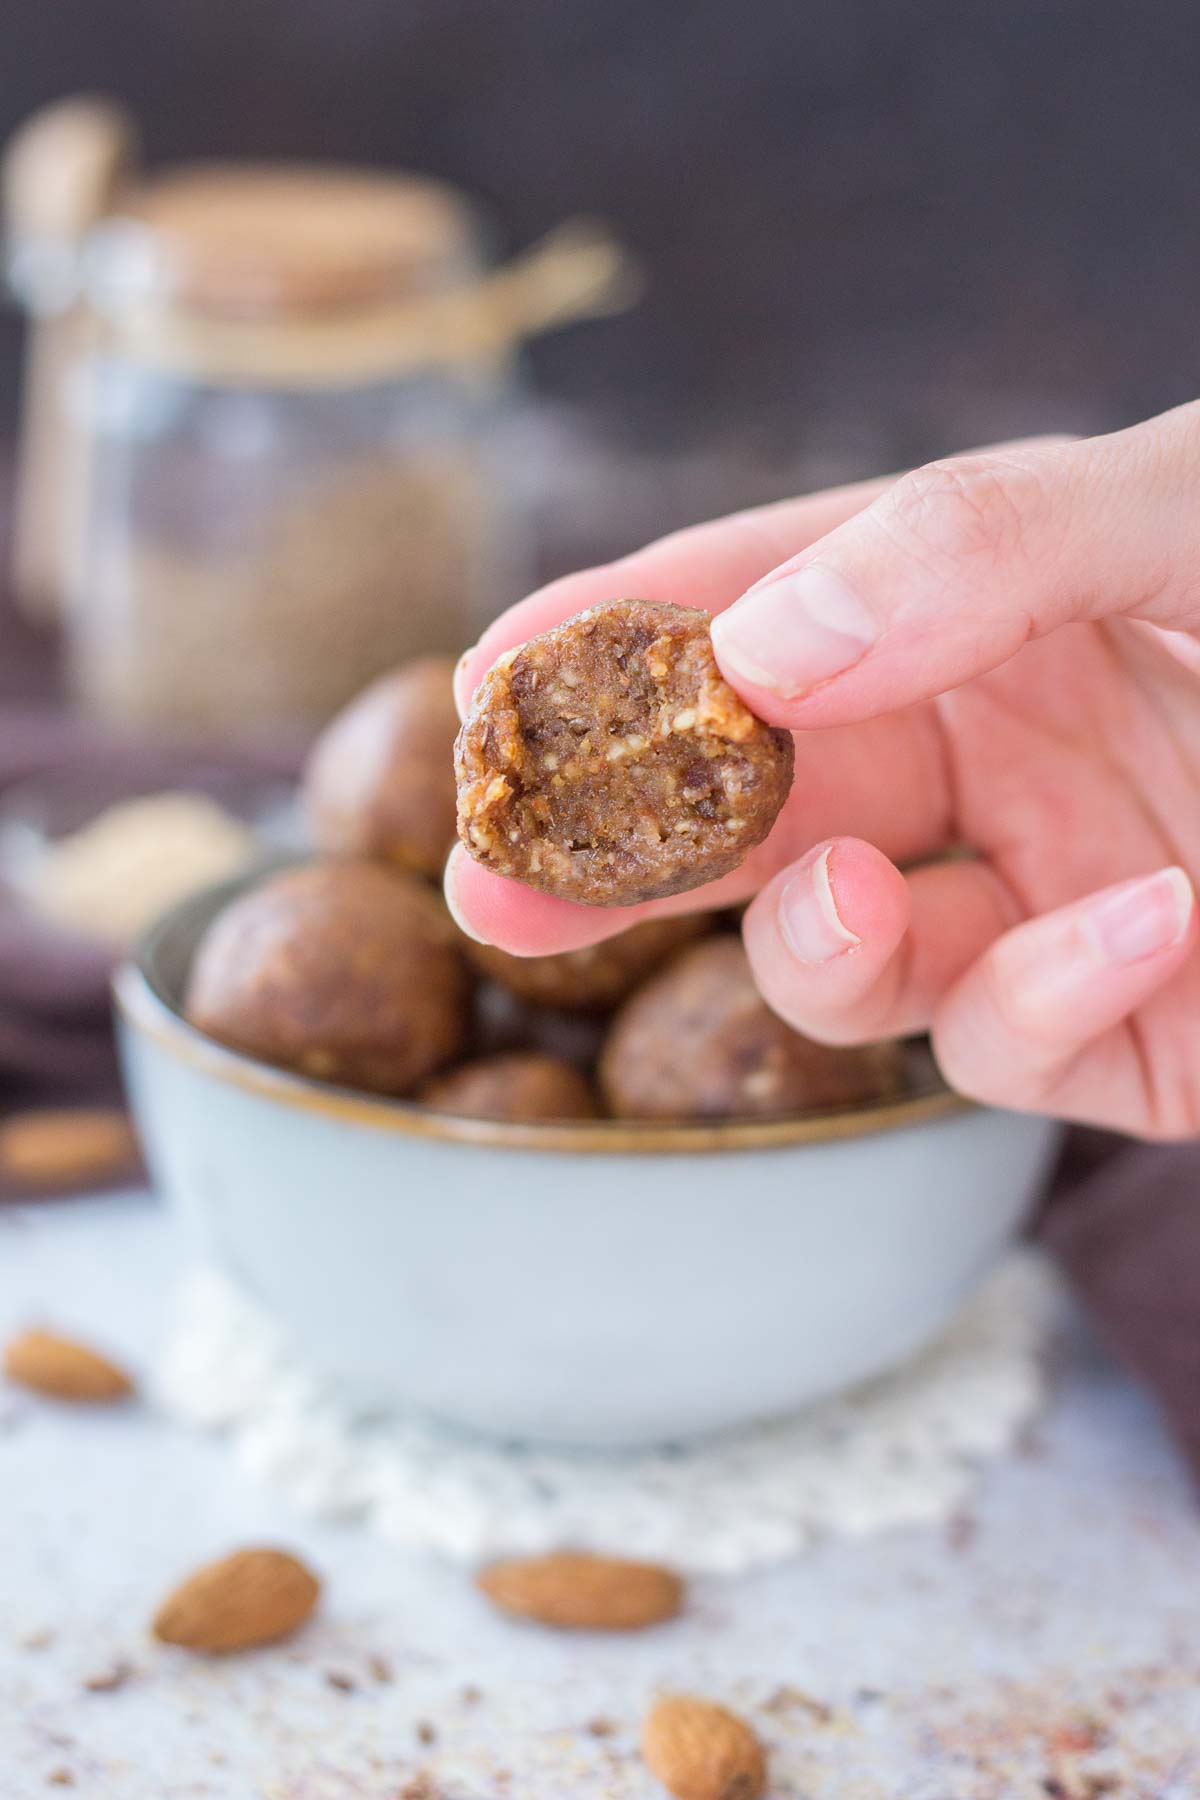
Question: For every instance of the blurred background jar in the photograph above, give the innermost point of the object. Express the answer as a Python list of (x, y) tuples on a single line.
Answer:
[(262, 456)]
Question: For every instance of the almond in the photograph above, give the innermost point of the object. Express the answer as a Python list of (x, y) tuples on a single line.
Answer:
[(251, 1597), (60, 1367), (60, 1145), (577, 1592), (701, 1751)]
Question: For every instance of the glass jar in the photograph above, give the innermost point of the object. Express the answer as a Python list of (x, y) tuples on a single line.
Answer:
[(287, 413), (282, 500), (63, 170)]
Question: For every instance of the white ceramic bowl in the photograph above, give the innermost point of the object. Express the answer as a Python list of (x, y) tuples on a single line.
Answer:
[(592, 1284)]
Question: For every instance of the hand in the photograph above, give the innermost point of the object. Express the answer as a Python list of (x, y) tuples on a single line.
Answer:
[(999, 653)]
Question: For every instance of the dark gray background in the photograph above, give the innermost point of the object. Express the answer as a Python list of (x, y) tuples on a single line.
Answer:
[(913, 221)]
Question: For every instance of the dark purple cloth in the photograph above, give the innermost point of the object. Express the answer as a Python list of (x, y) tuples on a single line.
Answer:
[(1126, 1231)]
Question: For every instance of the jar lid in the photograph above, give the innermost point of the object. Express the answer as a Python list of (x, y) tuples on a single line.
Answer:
[(243, 240), (332, 332)]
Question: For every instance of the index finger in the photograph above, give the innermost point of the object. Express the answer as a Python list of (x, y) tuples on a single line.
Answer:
[(706, 566)]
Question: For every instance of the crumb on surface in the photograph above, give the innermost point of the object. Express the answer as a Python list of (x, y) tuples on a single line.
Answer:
[(421, 1787), (107, 1681)]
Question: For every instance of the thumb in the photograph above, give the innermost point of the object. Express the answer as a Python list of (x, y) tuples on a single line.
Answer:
[(958, 564)]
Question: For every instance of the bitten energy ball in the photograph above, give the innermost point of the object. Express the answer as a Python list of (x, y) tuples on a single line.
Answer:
[(699, 1042), (608, 762), (521, 1086), (340, 970), (380, 781), (595, 978)]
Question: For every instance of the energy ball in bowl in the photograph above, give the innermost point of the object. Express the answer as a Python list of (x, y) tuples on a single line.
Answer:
[(380, 781), (700, 1042), (524, 1086), (340, 970), (607, 761), (595, 978)]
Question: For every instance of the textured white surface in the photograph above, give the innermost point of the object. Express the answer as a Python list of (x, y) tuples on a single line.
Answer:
[(1054, 1638), (900, 1450)]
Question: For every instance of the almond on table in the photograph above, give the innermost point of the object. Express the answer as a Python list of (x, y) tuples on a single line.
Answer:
[(252, 1597), (702, 1751), (574, 1591), (56, 1146), (63, 1369)]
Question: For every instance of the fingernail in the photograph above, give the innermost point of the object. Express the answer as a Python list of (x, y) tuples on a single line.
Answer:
[(808, 916), (791, 634), (449, 875), (1140, 918)]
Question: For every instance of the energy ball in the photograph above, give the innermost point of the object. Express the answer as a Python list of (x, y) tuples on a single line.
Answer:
[(699, 1042), (524, 1086), (341, 970), (380, 780), (593, 979), (607, 761)]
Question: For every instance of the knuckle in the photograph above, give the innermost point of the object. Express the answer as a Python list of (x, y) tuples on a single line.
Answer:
[(964, 509), (987, 1082), (999, 1055), (1028, 1016)]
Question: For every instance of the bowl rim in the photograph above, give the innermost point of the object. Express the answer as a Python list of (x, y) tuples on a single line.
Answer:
[(149, 1012)]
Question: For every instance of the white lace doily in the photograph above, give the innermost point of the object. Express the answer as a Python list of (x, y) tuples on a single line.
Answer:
[(902, 1449)]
